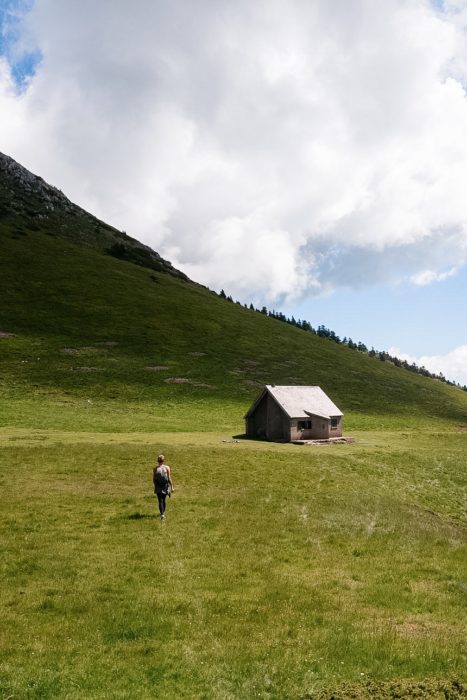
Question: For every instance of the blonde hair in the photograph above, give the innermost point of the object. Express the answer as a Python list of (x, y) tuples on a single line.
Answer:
[(161, 458)]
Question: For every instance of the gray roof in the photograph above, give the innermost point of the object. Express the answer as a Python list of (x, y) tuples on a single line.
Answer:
[(303, 401)]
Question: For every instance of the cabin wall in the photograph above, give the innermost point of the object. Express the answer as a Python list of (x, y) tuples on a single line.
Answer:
[(337, 431), (257, 420), (268, 420), (277, 422), (320, 429)]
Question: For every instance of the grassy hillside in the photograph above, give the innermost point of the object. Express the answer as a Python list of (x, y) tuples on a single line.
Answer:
[(281, 571), (151, 351)]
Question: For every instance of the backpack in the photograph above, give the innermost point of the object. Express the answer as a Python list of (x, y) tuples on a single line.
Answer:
[(162, 479)]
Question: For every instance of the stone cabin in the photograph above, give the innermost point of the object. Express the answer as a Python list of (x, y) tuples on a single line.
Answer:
[(286, 413)]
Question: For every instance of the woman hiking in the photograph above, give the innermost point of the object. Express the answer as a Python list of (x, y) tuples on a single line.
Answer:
[(163, 484)]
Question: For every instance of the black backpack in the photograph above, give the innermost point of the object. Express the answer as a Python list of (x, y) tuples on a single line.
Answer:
[(162, 479)]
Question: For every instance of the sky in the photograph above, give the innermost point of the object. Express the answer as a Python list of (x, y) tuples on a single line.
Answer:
[(309, 155)]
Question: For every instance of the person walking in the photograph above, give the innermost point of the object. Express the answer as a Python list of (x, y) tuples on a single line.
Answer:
[(163, 484)]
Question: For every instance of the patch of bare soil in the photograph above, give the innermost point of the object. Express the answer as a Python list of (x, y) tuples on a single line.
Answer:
[(462, 428), (4, 334), (156, 368), (87, 369), (197, 354), (80, 351), (184, 380)]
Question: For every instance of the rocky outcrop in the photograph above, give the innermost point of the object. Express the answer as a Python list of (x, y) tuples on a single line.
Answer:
[(30, 203), (20, 181)]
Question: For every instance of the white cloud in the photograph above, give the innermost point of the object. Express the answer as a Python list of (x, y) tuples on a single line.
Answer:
[(453, 364), (429, 276), (272, 148)]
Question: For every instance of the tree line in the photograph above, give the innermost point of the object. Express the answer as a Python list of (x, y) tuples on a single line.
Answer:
[(330, 335)]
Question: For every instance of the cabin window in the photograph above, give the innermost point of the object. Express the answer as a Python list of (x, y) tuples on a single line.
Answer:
[(304, 424), (334, 422)]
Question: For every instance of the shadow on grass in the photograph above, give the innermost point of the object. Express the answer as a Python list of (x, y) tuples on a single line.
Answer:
[(256, 438), (244, 436), (141, 516)]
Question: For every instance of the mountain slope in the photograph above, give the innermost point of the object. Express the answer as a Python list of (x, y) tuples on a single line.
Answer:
[(27, 202), (80, 325)]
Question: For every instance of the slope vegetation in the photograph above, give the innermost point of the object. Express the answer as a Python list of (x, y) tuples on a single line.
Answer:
[(78, 325)]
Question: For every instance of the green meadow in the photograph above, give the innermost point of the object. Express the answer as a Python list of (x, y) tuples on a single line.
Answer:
[(281, 571)]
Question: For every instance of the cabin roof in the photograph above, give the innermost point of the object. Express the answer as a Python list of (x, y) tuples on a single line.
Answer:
[(301, 401)]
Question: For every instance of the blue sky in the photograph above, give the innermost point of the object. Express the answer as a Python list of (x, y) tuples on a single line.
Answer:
[(22, 63), (307, 156), (418, 320)]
